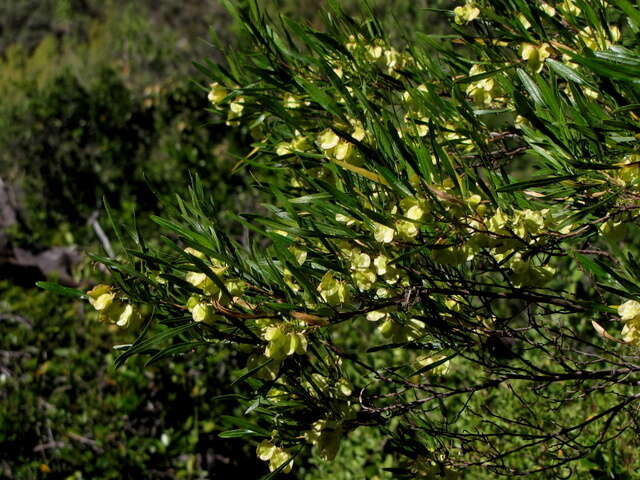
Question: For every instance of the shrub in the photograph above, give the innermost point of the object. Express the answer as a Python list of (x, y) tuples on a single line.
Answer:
[(452, 264), (65, 410), (69, 146), (105, 102)]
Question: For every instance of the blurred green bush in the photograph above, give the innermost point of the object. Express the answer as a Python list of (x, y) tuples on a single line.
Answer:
[(68, 146), (65, 409)]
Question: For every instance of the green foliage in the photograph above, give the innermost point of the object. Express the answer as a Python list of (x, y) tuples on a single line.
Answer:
[(105, 111), (95, 104), (441, 266), (362, 455), (70, 146), (108, 101), (447, 216), (41, 37), (65, 408)]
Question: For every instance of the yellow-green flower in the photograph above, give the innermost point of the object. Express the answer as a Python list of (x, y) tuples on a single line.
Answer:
[(236, 108), (125, 316), (528, 222), (375, 52), (613, 230), (344, 387), (380, 262), (406, 230), (525, 273), (629, 171), (358, 132), (520, 121), (289, 280), (217, 93), (101, 297), (332, 291), (377, 315), (343, 151), (570, 7), (283, 148), (203, 282), (195, 253), (364, 279), (483, 90), (498, 221), (202, 312), (596, 39), (548, 9), (452, 255), (299, 143), (276, 456), (282, 344), (394, 60), (535, 55), (299, 254), (466, 13), (629, 311), (325, 435), (523, 21), (327, 139), (360, 261), (382, 233), (290, 101), (415, 212), (347, 220), (631, 333), (235, 287), (440, 370)]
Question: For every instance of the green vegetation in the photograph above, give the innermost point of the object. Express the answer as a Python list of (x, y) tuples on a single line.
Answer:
[(99, 103), (441, 267), (66, 409), (85, 115), (408, 249)]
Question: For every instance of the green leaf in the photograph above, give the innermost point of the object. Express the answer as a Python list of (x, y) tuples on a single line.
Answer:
[(251, 372), (60, 290), (273, 474), (388, 346), (530, 86), (628, 284), (591, 266), (243, 424), (536, 182), (240, 433), (145, 344), (174, 350), (320, 97), (566, 72), (433, 365)]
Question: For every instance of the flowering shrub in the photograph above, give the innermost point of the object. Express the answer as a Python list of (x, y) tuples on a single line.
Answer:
[(445, 264)]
